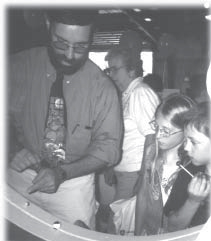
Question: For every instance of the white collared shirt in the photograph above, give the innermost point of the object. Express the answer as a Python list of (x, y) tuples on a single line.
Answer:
[(139, 104)]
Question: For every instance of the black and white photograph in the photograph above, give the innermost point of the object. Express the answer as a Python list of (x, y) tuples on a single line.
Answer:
[(106, 130)]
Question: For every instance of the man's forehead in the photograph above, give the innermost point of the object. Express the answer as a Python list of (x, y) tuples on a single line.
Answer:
[(72, 32), (69, 27)]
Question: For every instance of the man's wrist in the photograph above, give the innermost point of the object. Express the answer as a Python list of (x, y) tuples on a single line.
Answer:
[(60, 173)]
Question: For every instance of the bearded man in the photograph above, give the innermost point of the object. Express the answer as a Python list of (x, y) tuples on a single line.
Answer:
[(66, 119)]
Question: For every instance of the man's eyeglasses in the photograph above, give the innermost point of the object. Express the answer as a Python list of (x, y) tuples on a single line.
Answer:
[(112, 69), (164, 132), (78, 47)]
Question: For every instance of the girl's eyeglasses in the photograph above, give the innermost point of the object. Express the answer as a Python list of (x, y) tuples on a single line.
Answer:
[(164, 132)]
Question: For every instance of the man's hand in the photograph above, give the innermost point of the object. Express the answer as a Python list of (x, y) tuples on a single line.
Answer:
[(199, 187), (23, 160), (47, 180), (109, 176)]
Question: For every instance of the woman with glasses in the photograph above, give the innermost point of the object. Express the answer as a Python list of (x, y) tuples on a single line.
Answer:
[(139, 103), (158, 175)]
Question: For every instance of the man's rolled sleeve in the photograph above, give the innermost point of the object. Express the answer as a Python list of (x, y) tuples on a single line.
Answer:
[(108, 128)]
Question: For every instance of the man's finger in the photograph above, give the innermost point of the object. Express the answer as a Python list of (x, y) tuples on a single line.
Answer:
[(207, 190), (14, 166), (33, 188), (39, 177), (17, 166), (37, 186)]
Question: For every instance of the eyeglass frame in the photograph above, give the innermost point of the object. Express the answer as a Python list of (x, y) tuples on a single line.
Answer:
[(155, 127), (77, 47), (113, 69), (84, 45)]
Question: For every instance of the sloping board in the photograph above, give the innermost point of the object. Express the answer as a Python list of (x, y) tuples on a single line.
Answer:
[(40, 223)]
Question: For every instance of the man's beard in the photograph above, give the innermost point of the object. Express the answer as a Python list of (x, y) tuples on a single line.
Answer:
[(56, 59)]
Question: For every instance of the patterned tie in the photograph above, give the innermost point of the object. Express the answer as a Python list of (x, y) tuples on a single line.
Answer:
[(53, 151)]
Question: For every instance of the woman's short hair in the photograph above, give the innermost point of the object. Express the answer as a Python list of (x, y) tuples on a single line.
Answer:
[(131, 61), (173, 107)]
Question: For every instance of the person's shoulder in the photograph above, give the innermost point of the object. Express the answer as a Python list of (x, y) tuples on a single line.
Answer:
[(37, 52), (138, 85), (93, 69), (28, 54), (32, 50), (143, 86), (97, 75), (143, 89)]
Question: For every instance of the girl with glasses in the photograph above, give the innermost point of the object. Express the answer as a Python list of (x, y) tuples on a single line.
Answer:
[(143, 214), (157, 176)]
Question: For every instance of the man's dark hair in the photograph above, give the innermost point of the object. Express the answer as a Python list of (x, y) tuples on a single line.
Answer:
[(81, 17)]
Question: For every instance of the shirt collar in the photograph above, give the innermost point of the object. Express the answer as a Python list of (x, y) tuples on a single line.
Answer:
[(132, 86), (50, 70)]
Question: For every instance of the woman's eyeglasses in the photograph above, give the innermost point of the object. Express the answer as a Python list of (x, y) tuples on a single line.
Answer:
[(112, 69), (164, 132)]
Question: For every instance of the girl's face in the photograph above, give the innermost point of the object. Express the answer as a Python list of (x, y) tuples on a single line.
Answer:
[(167, 135), (198, 146)]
